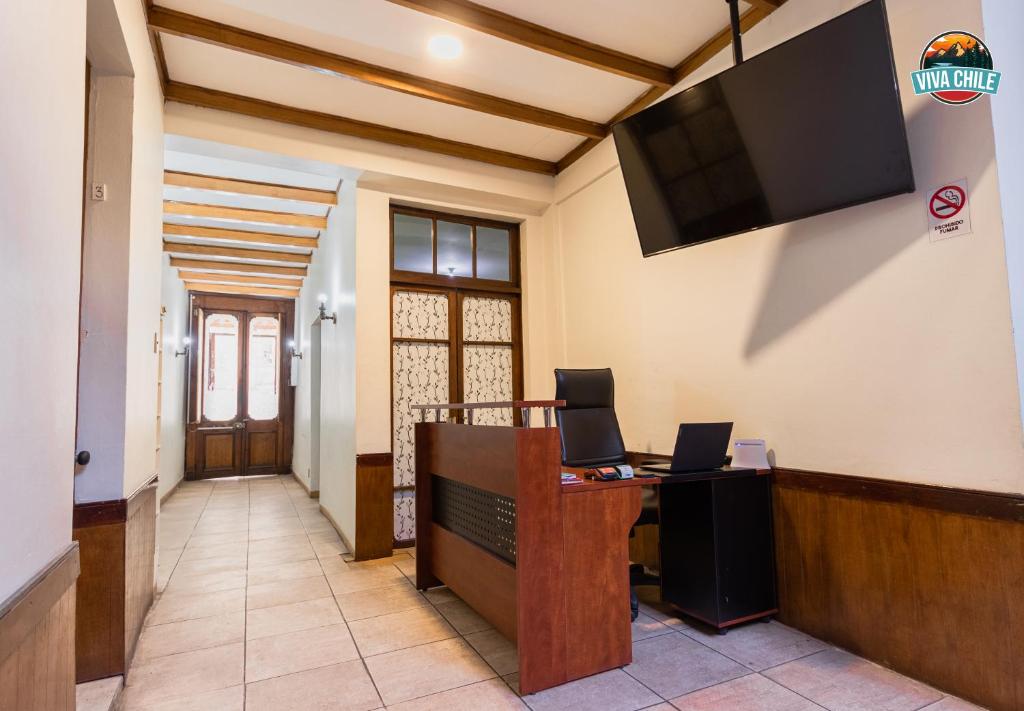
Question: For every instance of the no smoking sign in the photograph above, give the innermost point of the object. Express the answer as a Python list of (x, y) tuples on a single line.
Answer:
[(949, 215)]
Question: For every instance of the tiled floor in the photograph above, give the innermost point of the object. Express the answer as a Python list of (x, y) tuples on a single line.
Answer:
[(259, 610)]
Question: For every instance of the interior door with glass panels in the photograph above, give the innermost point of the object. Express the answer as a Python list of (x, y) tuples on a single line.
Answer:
[(455, 329), (239, 401)]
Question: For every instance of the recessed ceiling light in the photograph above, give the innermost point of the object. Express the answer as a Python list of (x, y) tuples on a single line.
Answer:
[(445, 47)]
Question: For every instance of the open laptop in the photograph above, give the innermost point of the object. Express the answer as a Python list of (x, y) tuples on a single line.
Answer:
[(700, 447)]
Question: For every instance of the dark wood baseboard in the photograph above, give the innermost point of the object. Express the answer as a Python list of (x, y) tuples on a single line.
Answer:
[(926, 580), (117, 583), (375, 528), (37, 640)]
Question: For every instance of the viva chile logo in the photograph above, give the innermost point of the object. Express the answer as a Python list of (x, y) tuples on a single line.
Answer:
[(956, 68)]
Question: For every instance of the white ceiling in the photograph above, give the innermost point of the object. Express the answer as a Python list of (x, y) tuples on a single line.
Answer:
[(383, 33)]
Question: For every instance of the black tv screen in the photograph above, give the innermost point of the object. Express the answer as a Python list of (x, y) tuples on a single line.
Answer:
[(812, 125)]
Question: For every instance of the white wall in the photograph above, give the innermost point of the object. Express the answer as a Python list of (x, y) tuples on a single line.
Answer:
[(1003, 21), (333, 274), (40, 235), (174, 299), (848, 341), (145, 251), (121, 275)]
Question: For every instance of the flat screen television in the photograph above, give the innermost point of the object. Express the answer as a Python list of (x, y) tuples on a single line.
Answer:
[(812, 125)]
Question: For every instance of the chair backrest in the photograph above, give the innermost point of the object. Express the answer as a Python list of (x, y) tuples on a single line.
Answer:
[(587, 424)]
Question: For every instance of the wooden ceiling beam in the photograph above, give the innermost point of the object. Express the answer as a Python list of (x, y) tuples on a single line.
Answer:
[(239, 235), (235, 186), (235, 38), (194, 209), (237, 253), (257, 108), (766, 5), (542, 39), (238, 279), (246, 290), (694, 61), (210, 265)]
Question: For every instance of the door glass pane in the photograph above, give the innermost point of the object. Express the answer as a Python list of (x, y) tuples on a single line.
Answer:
[(414, 249), (220, 367), (454, 249), (492, 254), (264, 346)]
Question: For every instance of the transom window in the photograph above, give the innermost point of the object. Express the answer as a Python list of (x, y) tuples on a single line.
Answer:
[(439, 248)]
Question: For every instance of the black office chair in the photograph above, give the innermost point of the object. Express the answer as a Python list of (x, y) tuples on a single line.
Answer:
[(590, 433)]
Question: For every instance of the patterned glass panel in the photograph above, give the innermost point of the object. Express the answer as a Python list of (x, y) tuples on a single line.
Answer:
[(420, 377), (405, 515), (487, 377), (486, 319), (419, 315)]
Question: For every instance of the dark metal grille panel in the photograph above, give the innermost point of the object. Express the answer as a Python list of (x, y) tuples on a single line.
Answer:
[(485, 518)]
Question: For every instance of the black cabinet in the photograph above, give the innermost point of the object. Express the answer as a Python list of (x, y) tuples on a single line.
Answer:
[(717, 553)]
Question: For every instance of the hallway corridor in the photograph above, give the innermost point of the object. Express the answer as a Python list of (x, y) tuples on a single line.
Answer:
[(259, 610)]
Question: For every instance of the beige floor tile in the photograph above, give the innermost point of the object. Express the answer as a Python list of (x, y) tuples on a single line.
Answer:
[(215, 550), (951, 703), (189, 635), (268, 531), (277, 543), (213, 539), (672, 665), (97, 695), (195, 672), (345, 687), (842, 682), (609, 691), (279, 557), (333, 564), (408, 568), (285, 571), (378, 635), (298, 651), (750, 693), (348, 581), (426, 669), (493, 695), (318, 524), (496, 650), (372, 603), (206, 582), (229, 699), (325, 549), (284, 592), (178, 607), (440, 595), (462, 617), (759, 645), (291, 618), (220, 564), (374, 563), (645, 627)]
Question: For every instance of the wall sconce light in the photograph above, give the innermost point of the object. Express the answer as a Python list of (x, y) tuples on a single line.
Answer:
[(295, 353), (324, 316), (186, 341)]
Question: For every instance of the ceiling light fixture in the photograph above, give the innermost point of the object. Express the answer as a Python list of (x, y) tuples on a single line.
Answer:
[(445, 47)]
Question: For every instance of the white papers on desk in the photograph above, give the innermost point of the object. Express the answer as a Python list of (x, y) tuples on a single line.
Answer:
[(749, 454)]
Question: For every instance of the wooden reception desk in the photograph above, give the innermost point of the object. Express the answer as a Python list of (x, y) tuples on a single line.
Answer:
[(546, 564)]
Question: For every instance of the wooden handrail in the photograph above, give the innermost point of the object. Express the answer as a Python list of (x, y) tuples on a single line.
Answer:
[(524, 406), (490, 405)]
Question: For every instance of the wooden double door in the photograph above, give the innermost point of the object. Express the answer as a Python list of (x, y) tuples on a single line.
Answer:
[(240, 402)]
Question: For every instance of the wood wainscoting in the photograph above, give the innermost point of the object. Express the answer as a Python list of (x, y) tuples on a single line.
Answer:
[(375, 526), (37, 640), (117, 583), (926, 580)]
